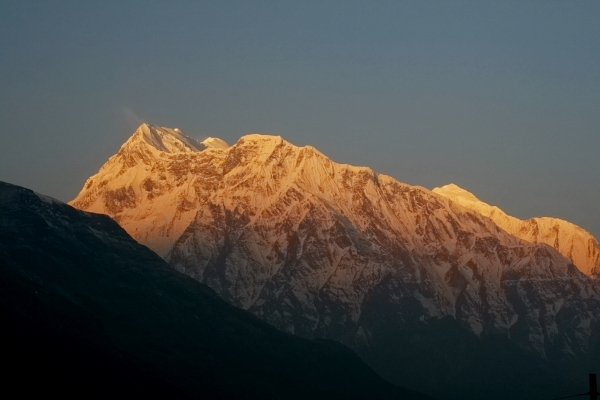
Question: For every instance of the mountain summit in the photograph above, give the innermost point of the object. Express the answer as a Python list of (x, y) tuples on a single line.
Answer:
[(426, 290), (163, 139)]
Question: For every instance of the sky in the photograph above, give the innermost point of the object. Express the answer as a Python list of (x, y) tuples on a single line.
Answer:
[(499, 97)]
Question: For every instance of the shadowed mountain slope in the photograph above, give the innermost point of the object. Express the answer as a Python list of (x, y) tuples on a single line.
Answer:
[(84, 305)]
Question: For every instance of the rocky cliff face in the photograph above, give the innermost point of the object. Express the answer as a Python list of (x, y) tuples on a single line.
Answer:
[(421, 286)]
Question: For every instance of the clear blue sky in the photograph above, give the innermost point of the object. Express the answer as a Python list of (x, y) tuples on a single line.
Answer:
[(499, 97)]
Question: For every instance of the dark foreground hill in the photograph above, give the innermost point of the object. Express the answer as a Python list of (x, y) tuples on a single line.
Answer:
[(86, 310)]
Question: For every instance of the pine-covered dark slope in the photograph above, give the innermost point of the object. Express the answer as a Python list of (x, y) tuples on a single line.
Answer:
[(85, 306)]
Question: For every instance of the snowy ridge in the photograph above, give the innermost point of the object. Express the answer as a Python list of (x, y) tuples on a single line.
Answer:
[(570, 240), (330, 250)]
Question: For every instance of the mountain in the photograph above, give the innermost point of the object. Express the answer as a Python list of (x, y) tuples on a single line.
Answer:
[(573, 242), (433, 295), (87, 311)]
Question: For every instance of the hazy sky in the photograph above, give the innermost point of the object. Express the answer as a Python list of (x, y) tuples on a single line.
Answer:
[(499, 97)]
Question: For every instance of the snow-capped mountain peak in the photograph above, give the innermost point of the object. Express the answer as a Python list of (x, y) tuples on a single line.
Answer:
[(215, 143), (470, 201), (163, 139)]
